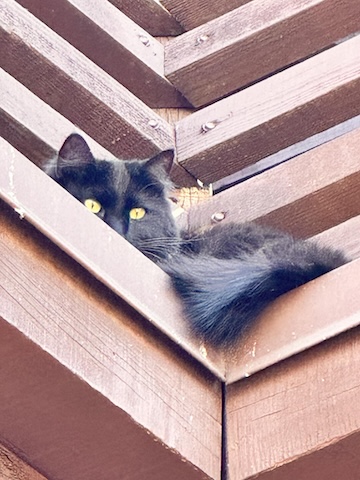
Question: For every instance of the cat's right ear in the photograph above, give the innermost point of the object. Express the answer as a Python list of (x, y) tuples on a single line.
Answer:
[(74, 150), (162, 162)]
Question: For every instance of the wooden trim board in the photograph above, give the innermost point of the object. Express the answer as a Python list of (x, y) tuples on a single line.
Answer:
[(284, 109), (254, 41), (298, 419), (13, 468), (89, 389)]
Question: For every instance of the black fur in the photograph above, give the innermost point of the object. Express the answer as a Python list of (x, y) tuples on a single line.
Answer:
[(226, 275)]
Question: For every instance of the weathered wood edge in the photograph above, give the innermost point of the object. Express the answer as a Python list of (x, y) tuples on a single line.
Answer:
[(13, 468), (273, 114), (304, 196), (253, 42), (33, 54), (116, 264), (115, 43), (38, 131), (192, 14), (151, 16), (77, 366), (298, 419)]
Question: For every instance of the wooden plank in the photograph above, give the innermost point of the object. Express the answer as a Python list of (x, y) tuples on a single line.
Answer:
[(77, 88), (304, 196), (100, 395), (151, 16), (300, 418), (13, 468), (192, 14), (271, 115), (113, 265), (38, 131), (297, 321), (253, 42), (115, 43)]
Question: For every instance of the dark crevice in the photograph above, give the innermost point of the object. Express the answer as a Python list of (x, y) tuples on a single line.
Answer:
[(224, 452)]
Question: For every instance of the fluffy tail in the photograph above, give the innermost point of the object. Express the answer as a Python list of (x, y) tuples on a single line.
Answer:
[(221, 297)]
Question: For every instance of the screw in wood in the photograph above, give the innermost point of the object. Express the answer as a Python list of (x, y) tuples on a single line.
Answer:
[(206, 127), (144, 40), (153, 123), (218, 217), (202, 39)]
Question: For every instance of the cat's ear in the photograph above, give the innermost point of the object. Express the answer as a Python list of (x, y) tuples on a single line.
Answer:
[(74, 150), (162, 162)]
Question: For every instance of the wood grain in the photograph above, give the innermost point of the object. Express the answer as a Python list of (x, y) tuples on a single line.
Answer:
[(254, 41), (192, 14), (300, 418), (271, 115), (77, 88), (114, 42), (13, 468), (304, 196), (38, 131), (89, 388), (151, 16)]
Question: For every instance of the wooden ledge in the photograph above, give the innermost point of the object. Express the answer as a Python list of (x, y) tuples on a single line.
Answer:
[(80, 90), (278, 112), (117, 263), (254, 41)]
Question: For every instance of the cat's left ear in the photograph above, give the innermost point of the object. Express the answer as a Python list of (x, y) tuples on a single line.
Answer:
[(75, 150), (162, 162)]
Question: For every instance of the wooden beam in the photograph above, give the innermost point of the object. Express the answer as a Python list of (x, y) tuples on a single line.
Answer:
[(90, 389), (192, 14), (304, 196), (271, 115), (112, 266), (38, 131), (300, 418), (77, 88), (253, 42), (115, 43), (151, 16), (13, 468)]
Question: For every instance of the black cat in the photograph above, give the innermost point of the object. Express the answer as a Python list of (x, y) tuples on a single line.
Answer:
[(225, 275)]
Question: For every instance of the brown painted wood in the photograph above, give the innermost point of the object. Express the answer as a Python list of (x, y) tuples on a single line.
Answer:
[(38, 131), (115, 43), (56, 213), (88, 388), (13, 468), (299, 419), (192, 14), (253, 42), (271, 115), (297, 321), (151, 16), (77, 88), (304, 196)]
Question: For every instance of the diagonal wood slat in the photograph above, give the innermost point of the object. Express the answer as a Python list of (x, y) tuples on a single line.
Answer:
[(78, 89), (115, 43), (151, 16), (284, 109), (254, 41)]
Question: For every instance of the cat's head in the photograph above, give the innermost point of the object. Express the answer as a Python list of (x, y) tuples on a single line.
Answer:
[(130, 196)]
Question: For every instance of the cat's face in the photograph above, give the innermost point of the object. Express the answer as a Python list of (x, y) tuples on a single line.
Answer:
[(130, 196)]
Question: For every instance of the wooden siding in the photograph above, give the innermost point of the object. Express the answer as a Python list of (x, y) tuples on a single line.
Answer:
[(100, 375)]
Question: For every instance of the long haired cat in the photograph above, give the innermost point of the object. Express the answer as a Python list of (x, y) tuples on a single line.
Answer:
[(225, 275)]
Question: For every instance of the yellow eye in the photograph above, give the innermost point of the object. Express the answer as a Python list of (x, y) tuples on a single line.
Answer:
[(93, 205), (137, 213)]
